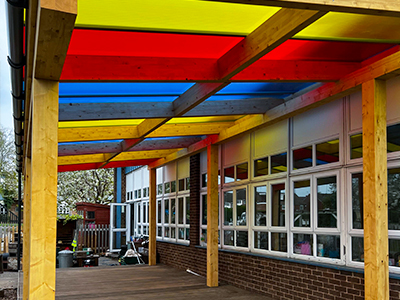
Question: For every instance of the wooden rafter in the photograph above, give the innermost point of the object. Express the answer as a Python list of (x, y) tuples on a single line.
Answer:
[(369, 7), (131, 132), (161, 69), (139, 110), (383, 69)]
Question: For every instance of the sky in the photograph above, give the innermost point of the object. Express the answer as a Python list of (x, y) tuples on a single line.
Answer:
[(5, 83)]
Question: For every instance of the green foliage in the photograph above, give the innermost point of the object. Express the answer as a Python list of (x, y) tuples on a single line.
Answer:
[(8, 174), (66, 218)]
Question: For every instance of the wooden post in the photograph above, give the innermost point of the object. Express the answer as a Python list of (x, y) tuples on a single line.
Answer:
[(212, 215), (152, 218), (376, 258), (6, 243), (27, 227), (42, 275)]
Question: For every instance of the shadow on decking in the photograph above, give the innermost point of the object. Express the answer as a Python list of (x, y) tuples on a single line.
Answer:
[(140, 282)]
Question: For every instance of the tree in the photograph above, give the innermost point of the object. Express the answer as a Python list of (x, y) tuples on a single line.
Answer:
[(95, 186), (8, 173)]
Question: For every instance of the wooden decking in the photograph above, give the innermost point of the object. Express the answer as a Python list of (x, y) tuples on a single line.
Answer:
[(141, 282)]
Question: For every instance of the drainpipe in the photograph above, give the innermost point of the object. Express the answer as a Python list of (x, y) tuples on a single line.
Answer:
[(16, 60)]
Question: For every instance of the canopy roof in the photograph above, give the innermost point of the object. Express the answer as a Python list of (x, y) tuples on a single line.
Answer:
[(147, 82)]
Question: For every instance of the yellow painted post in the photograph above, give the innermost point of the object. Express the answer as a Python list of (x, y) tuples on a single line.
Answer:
[(42, 275), (152, 218), (376, 257), (212, 215), (27, 227)]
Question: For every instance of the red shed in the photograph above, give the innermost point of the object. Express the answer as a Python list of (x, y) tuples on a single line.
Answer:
[(94, 213)]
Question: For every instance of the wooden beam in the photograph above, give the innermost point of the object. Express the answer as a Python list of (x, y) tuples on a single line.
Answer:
[(167, 69), (27, 227), (376, 248), (88, 148), (131, 132), (369, 7), (42, 275), (152, 218), (383, 69), (212, 215), (55, 24), (103, 157), (139, 110), (277, 29)]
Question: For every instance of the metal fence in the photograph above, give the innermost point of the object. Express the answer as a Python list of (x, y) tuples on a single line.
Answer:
[(7, 236), (93, 236), (6, 216)]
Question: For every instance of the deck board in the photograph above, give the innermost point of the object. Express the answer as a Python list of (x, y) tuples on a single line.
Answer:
[(141, 282)]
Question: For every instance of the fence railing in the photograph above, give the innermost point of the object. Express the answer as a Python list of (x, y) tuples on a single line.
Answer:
[(7, 236), (93, 236), (6, 216)]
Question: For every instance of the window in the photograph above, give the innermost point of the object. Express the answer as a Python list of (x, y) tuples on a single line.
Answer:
[(159, 189), (236, 173), (167, 187), (324, 153), (278, 165), (315, 216), (229, 174), (235, 220), (176, 222), (141, 209), (203, 219), (184, 184), (268, 229), (90, 215)]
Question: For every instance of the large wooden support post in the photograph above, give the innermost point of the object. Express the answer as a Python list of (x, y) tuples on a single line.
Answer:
[(212, 215), (152, 218), (375, 191), (43, 231), (27, 226)]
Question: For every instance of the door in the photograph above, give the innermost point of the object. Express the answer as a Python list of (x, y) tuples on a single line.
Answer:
[(120, 229)]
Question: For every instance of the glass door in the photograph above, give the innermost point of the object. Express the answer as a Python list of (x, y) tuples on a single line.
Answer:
[(120, 229)]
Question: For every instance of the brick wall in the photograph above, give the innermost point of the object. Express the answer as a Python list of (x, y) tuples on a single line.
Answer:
[(275, 278), (194, 234), (123, 186)]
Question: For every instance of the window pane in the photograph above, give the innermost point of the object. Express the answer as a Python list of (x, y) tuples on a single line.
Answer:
[(187, 180), (302, 203), (279, 241), (203, 237), (356, 146), (166, 232), (140, 193), (393, 138), (173, 233), (327, 202), (145, 192), (228, 208), (328, 246), (229, 174), (181, 184), (261, 167), (394, 253), (228, 237), (303, 244), (328, 152), (241, 207), (204, 180), (187, 210), (159, 211), (242, 239), (139, 211), (260, 205), (394, 199), (173, 211), (357, 200), (357, 249), (159, 189), (187, 230), (181, 233), (180, 212), (242, 171), (278, 204), (159, 231), (302, 158), (204, 210), (173, 186), (166, 211), (261, 240), (167, 187), (279, 163)]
